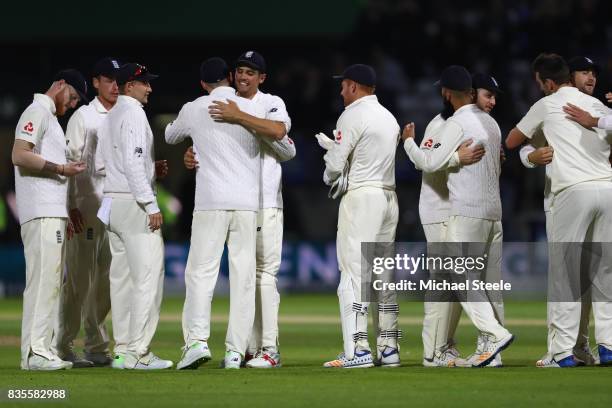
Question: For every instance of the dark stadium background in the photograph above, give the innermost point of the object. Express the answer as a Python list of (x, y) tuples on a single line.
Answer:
[(304, 43)]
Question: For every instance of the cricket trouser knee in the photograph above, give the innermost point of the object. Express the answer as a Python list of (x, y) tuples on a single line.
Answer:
[(43, 244), (268, 257), (120, 293), (242, 270), (208, 233), (79, 264)]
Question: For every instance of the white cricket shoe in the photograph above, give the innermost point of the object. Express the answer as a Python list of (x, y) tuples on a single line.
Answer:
[(146, 362), (194, 356), (232, 360), (444, 358), (118, 362), (362, 359), (489, 351), (40, 363), (265, 359), (388, 357), (77, 362), (567, 362), (584, 354)]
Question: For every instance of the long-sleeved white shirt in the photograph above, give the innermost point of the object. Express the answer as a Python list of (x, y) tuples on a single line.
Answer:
[(229, 172), (537, 141), (82, 138), (40, 194), (367, 135), (434, 205), (274, 152), (580, 154), (126, 142)]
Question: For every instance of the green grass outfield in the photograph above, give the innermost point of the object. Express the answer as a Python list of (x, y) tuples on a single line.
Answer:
[(310, 335)]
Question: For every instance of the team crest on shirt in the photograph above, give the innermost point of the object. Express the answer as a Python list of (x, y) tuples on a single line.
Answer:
[(28, 128), (428, 144)]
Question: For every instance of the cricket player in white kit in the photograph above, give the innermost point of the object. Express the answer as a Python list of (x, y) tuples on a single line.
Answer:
[(583, 75), (366, 138), (133, 219), (581, 187), (86, 290), (475, 212), (276, 147), (227, 201), (440, 319), (41, 186)]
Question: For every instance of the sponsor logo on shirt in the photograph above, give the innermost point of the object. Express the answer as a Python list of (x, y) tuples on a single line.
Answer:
[(290, 141), (428, 144), (437, 145), (273, 110), (90, 234), (58, 235), (338, 136), (138, 151), (28, 129)]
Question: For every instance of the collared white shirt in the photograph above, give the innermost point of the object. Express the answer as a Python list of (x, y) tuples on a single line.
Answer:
[(40, 194), (367, 135), (580, 154)]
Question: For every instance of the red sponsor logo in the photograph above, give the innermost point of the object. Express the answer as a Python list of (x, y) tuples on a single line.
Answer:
[(338, 136), (29, 127), (428, 144), (290, 141)]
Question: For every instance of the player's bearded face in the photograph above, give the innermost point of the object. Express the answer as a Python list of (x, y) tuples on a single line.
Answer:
[(585, 81), (66, 100), (447, 110)]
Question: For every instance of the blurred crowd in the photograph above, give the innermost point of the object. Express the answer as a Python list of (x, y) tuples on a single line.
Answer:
[(409, 42)]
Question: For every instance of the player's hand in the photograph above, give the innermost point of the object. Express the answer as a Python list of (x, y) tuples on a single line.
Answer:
[(609, 97), (69, 230), (225, 112), (74, 168), (56, 88), (581, 116), (541, 156), (189, 159), (155, 221), (161, 169), (324, 141), (408, 131), (76, 219), (469, 154)]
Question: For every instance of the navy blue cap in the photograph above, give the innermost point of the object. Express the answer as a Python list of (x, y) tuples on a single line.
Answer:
[(456, 78), (106, 66), (582, 64), (360, 73), (75, 79), (483, 81), (133, 72), (252, 59), (213, 70)]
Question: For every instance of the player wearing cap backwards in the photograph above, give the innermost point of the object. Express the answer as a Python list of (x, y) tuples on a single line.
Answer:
[(41, 186), (129, 209), (250, 73), (441, 318), (581, 190), (475, 205), (85, 292), (226, 205), (366, 138), (583, 75)]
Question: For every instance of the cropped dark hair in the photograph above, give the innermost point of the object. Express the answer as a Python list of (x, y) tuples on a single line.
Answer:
[(553, 67)]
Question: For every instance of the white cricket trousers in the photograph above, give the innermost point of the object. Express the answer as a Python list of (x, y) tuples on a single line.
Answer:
[(268, 255), (486, 316), (210, 231), (440, 319), (580, 213), (86, 290), (43, 247), (136, 276), (366, 214)]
